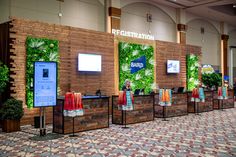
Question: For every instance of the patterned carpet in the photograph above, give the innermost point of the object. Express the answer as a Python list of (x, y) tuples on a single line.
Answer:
[(210, 134)]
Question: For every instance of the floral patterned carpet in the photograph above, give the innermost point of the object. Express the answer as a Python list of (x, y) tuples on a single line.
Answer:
[(208, 134)]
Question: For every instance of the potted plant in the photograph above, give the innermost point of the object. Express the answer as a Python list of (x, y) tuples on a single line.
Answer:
[(212, 80), (10, 113)]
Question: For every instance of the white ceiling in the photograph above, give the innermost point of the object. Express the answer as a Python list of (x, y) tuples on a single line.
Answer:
[(201, 8)]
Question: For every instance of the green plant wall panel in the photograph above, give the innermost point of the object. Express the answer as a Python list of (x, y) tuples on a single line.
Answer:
[(136, 63), (192, 71), (38, 49)]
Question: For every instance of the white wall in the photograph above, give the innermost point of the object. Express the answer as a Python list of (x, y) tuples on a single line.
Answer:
[(234, 62), (78, 13), (133, 18), (84, 14), (232, 38), (209, 41), (4, 13), (168, 10), (191, 17), (232, 42), (234, 56)]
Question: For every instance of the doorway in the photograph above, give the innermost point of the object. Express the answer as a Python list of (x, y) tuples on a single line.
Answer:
[(232, 67)]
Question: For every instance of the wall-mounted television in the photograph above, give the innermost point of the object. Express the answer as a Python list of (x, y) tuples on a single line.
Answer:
[(89, 62), (173, 66)]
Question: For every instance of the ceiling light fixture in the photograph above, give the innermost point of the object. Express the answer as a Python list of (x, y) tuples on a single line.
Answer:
[(234, 5)]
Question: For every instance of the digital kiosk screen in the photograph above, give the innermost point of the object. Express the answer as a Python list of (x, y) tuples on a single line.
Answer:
[(45, 84)]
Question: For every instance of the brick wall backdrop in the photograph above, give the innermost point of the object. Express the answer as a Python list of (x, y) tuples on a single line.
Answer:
[(88, 41), (19, 31), (73, 41), (174, 51)]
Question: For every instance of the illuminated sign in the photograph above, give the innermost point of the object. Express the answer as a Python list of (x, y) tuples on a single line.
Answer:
[(132, 34), (45, 84)]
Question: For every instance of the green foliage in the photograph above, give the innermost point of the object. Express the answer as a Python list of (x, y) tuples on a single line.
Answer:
[(211, 79), (192, 71), (11, 110), (4, 76), (38, 49), (144, 78)]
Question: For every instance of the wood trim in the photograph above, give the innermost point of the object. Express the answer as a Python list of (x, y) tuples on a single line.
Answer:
[(115, 23), (182, 36), (224, 37), (114, 12), (225, 56), (181, 27), (116, 66)]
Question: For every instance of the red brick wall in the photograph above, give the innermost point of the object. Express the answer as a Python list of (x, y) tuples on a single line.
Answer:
[(174, 51), (19, 31), (73, 41), (87, 41)]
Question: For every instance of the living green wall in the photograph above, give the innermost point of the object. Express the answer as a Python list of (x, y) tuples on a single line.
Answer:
[(38, 49), (142, 79), (192, 71)]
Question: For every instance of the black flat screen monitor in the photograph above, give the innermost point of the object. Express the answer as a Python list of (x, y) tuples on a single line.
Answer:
[(136, 92), (173, 66), (180, 89)]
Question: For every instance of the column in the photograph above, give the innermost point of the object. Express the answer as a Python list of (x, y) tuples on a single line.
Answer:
[(224, 54), (115, 14), (181, 26), (181, 34)]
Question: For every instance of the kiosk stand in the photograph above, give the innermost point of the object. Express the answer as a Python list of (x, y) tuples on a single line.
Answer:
[(73, 107), (222, 105), (42, 122), (165, 99), (196, 108), (45, 89), (164, 114), (124, 127), (198, 95), (73, 133), (222, 95), (126, 104)]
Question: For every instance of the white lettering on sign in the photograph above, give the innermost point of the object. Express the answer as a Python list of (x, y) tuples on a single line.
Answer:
[(132, 34), (138, 65)]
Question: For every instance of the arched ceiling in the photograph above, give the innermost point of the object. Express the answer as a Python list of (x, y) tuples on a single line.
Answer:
[(218, 10)]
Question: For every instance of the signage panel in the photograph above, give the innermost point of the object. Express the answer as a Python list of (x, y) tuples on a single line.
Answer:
[(45, 84)]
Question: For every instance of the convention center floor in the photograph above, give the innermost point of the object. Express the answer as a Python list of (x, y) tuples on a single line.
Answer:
[(209, 134)]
